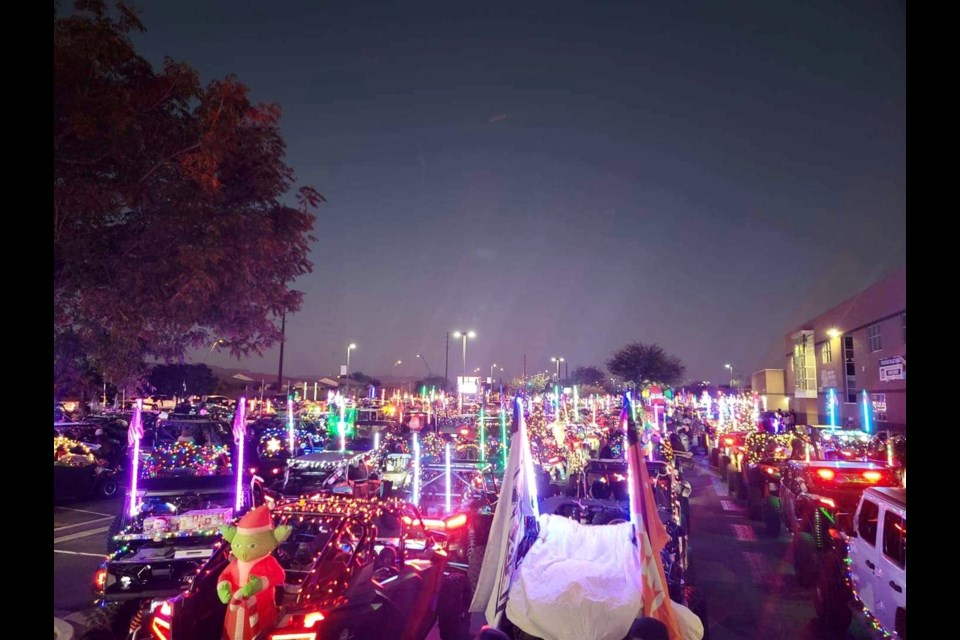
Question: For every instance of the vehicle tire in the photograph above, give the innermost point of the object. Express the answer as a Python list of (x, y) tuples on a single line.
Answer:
[(107, 488), (770, 514), (453, 619), (733, 480), (805, 559), (754, 501), (832, 596), (608, 517), (697, 603), (115, 528)]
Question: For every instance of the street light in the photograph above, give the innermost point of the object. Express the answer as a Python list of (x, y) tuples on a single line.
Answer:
[(733, 377), (492, 367), (464, 335), (558, 360), (350, 347), (398, 362), (429, 373)]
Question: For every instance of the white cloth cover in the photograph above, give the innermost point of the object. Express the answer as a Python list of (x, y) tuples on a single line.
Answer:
[(581, 582), (577, 582)]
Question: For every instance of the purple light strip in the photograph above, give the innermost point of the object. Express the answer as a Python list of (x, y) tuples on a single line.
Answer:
[(136, 427), (239, 434)]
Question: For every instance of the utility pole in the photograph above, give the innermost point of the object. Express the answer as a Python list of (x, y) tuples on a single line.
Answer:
[(566, 370), (283, 331), (446, 361)]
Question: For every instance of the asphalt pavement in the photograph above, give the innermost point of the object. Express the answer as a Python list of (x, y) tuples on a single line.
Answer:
[(748, 579)]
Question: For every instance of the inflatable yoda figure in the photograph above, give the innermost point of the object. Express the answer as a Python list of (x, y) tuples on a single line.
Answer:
[(247, 585)]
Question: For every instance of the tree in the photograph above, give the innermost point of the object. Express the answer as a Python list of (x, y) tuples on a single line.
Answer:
[(533, 384), (362, 378), (182, 379), (169, 224), (644, 363), (441, 383), (593, 376)]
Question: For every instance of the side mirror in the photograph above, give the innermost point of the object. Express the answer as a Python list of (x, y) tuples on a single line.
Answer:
[(845, 524)]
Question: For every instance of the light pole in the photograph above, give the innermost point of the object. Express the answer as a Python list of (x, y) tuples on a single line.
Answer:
[(733, 377), (464, 335), (558, 360), (350, 347), (429, 373), (492, 367)]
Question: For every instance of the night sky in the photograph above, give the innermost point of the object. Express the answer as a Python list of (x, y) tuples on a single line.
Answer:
[(567, 177)]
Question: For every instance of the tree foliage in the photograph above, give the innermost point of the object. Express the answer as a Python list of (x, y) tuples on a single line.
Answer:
[(169, 225), (362, 378), (536, 383), (590, 375), (182, 379), (645, 363)]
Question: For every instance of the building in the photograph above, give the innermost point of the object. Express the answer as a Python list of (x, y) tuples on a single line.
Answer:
[(858, 346), (769, 385)]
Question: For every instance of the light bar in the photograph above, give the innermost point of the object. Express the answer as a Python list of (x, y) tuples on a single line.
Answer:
[(239, 430), (447, 480), (416, 469), (136, 428), (290, 424)]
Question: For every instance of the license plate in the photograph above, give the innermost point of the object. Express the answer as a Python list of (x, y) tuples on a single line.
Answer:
[(181, 554)]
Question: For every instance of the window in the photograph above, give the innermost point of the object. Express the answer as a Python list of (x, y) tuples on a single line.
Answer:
[(804, 365), (903, 324), (895, 538), (867, 522), (826, 356), (849, 371), (873, 337), (879, 402)]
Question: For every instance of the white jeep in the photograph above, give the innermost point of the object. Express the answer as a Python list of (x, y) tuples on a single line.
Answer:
[(870, 579)]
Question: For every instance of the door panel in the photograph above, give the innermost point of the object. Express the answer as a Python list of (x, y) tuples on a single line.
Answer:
[(891, 586), (863, 551)]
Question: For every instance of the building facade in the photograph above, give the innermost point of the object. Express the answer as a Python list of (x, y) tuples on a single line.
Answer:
[(769, 385), (848, 365)]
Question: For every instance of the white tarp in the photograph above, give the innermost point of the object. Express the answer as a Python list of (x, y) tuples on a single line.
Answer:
[(581, 582)]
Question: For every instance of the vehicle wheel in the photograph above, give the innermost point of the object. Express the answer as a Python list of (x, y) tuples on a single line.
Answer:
[(608, 517), (107, 488), (770, 513), (453, 619), (805, 558), (733, 480), (113, 621), (754, 501), (832, 597), (697, 603), (741, 487), (115, 528)]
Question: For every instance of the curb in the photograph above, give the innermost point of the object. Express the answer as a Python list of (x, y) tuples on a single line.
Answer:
[(62, 630)]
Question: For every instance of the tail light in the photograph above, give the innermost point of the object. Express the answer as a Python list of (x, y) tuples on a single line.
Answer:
[(826, 474), (160, 624), (455, 522), (872, 476), (770, 471), (293, 635), (252, 470), (276, 471), (100, 580), (728, 442), (464, 431)]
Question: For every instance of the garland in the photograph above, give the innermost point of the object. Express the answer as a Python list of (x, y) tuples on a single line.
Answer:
[(167, 459)]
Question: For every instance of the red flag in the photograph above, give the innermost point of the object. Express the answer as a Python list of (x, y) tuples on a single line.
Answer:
[(650, 532)]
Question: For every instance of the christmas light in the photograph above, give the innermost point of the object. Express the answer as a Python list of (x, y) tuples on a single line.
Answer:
[(503, 437), (290, 424), (866, 412), (832, 406), (483, 437), (136, 428), (447, 472)]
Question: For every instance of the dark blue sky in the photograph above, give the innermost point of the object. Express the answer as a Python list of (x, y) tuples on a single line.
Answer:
[(567, 177)]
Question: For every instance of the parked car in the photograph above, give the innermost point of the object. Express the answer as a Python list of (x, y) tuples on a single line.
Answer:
[(867, 576)]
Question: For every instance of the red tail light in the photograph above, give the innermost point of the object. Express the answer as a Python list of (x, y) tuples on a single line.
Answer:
[(252, 470), (728, 442), (872, 476), (313, 618), (431, 523), (455, 522), (100, 579), (293, 635), (160, 625), (827, 474), (770, 471), (464, 431)]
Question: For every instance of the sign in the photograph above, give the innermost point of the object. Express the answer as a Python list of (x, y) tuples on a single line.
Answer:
[(893, 369), (343, 370), (828, 379), (468, 384)]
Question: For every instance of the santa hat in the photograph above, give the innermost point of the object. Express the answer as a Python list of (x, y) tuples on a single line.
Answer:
[(255, 521)]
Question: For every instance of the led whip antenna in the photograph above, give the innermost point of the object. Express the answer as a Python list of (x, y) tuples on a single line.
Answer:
[(239, 435), (503, 436), (483, 437), (866, 412), (832, 406), (135, 433), (342, 427), (447, 477), (376, 440), (290, 435), (576, 404), (416, 469)]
